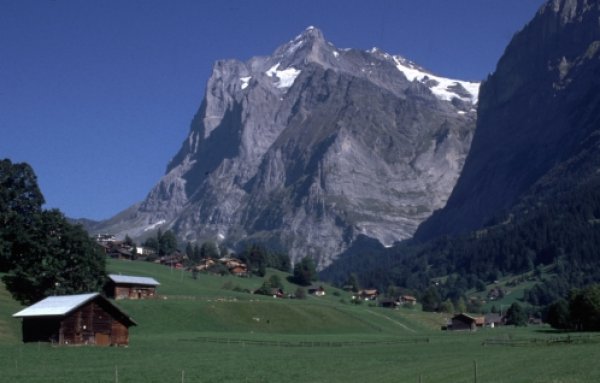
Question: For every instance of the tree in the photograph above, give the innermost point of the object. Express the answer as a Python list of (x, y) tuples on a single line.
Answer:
[(20, 203), (558, 315), (128, 241), (353, 282), (167, 242), (516, 315), (305, 272), (265, 289), (209, 249), (447, 306), (57, 258), (151, 243), (392, 292), (189, 251), (584, 307), (480, 285), (431, 299), (275, 281)]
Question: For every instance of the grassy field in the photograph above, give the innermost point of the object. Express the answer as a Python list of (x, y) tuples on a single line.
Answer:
[(199, 331)]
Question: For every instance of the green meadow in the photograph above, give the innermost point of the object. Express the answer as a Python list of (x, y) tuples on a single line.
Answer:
[(200, 330)]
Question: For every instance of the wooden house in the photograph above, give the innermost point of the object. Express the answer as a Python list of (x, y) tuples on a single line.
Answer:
[(493, 320), (318, 291), (239, 271), (75, 319), (130, 287), (464, 322), (408, 300), (368, 294)]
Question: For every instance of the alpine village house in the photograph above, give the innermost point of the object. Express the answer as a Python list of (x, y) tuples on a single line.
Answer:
[(76, 320)]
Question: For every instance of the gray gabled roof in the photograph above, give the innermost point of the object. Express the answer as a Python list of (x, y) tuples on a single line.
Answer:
[(55, 305), (130, 279)]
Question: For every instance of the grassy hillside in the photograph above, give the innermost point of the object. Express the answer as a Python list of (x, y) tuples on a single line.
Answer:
[(9, 327), (199, 331)]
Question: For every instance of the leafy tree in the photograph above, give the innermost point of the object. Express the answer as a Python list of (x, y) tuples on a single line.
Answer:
[(275, 281), (460, 305), (447, 306), (305, 272), (57, 258), (558, 315), (40, 252), (431, 299), (585, 308), (167, 242), (20, 203), (209, 249), (516, 315)]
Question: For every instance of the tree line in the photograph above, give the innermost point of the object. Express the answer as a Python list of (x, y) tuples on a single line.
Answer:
[(558, 233)]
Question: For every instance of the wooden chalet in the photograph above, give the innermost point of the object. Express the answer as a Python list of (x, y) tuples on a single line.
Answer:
[(76, 320), (130, 287)]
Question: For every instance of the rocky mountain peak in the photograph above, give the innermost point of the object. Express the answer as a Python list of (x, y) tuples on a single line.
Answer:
[(309, 148), (308, 47)]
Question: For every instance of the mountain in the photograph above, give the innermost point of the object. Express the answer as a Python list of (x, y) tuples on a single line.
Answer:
[(308, 148), (538, 122)]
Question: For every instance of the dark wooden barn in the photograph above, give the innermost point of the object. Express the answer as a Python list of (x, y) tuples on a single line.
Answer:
[(75, 319), (464, 322), (130, 287)]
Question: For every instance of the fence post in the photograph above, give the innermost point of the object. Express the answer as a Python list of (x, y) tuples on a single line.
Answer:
[(116, 374), (475, 371)]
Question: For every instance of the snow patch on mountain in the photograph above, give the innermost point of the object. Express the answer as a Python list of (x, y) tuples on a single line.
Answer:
[(245, 81), (154, 225), (286, 77), (443, 88)]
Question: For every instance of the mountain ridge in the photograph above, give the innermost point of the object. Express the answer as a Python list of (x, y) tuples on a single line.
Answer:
[(531, 121)]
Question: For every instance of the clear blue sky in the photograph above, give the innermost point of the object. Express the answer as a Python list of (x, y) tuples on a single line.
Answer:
[(98, 95)]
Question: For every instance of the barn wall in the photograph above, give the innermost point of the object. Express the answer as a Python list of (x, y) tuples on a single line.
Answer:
[(462, 325), (92, 324), (122, 291)]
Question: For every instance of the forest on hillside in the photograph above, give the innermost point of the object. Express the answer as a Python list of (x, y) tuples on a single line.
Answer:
[(560, 234)]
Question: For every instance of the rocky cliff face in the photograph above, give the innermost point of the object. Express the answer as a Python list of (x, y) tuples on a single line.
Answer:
[(310, 147), (539, 120)]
